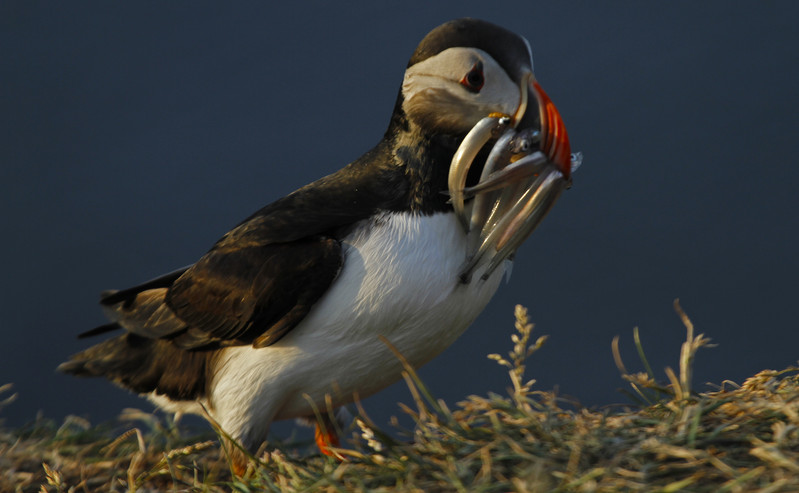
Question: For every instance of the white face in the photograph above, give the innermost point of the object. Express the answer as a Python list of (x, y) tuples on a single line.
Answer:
[(451, 91)]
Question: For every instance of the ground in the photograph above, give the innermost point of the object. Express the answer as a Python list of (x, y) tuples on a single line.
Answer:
[(734, 438)]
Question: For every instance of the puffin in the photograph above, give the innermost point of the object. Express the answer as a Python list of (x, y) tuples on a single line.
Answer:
[(304, 305)]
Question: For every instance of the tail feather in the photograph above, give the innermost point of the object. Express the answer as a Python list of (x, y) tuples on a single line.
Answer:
[(100, 330), (147, 357), (147, 365), (112, 297)]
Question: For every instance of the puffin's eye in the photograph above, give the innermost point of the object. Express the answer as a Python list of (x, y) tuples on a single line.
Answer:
[(473, 80)]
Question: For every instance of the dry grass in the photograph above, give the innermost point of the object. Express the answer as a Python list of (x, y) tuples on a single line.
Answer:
[(739, 438)]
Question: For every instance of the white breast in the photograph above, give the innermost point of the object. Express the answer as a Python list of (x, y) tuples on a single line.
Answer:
[(399, 280)]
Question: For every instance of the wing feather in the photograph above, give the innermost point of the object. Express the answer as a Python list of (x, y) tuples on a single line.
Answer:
[(263, 277), (239, 295)]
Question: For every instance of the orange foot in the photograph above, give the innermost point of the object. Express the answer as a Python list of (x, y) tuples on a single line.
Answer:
[(239, 462), (326, 437)]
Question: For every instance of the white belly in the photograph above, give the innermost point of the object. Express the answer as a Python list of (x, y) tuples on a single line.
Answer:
[(399, 281)]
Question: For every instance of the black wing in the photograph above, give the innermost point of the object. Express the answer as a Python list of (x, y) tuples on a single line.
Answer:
[(261, 279), (253, 294)]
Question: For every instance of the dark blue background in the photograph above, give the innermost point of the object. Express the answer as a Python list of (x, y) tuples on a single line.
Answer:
[(134, 135)]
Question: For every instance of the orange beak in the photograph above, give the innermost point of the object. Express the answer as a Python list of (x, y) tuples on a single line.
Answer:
[(522, 177), (554, 139)]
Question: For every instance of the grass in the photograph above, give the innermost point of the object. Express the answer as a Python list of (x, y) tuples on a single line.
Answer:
[(736, 438)]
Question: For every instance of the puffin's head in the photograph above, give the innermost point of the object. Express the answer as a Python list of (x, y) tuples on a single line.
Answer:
[(468, 69), (472, 82)]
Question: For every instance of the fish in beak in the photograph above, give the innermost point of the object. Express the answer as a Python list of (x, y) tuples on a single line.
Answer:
[(530, 163)]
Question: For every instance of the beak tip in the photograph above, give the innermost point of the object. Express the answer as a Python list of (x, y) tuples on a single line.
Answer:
[(555, 139)]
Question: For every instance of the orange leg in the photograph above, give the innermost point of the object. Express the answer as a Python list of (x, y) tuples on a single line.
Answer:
[(239, 468), (326, 437), (239, 462)]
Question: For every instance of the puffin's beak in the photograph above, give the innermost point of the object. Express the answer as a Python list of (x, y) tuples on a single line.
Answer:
[(522, 177), (554, 139)]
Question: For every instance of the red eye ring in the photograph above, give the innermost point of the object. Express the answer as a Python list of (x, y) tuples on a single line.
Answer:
[(474, 79)]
